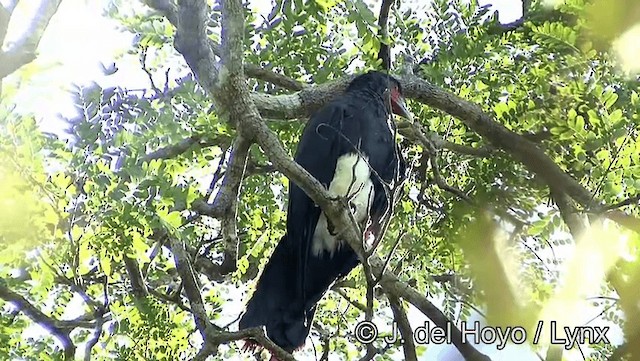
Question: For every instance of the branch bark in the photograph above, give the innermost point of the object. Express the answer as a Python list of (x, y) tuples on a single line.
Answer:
[(170, 11), (383, 20), (400, 316), (23, 51), (59, 329), (227, 201), (191, 287)]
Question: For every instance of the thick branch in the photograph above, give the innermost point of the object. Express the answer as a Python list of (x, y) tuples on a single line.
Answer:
[(213, 336), (181, 147), (191, 287), (417, 133), (301, 104), (168, 9), (5, 16), (138, 286), (482, 123), (231, 95), (224, 202), (623, 219), (383, 20), (60, 329), (400, 316), (23, 51), (635, 200), (307, 101), (227, 201), (190, 39), (394, 286), (569, 214)]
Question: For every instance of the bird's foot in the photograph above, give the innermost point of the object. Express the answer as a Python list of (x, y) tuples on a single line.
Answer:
[(251, 346)]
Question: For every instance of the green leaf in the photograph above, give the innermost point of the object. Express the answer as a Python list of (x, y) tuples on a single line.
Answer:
[(610, 99), (105, 262)]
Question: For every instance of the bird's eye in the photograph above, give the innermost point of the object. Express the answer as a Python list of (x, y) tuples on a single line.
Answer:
[(395, 93)]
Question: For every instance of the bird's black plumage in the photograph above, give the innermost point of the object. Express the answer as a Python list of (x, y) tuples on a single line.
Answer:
[(349, 146)]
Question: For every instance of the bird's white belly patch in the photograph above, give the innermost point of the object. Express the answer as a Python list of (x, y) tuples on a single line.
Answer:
[(351, 180)]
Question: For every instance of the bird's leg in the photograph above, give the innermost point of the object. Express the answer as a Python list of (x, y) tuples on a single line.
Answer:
[(368, 223), (352, 210)]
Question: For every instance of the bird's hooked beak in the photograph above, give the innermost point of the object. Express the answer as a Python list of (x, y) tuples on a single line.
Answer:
[(398, 106)]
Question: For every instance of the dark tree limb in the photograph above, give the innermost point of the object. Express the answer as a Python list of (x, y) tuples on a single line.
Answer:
[(227, 85), (627, 202), (570, 215), (482, 123), (623, 219), (400, 317), (269, 76), (416, 133), (138, 286), (191, 287), (227, 200), (224, 207), (96, 334), (169, 10), (394, 286), (384, 54), (59, 329)]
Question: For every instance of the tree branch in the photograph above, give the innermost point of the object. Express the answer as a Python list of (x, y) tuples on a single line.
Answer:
[(169, 10), (59, 329), (569, 214), (627, 202), (417, 133), (227, 201), (181, 147), (383, 20), (138, 286), (394, 286), (400, 316), (525, 151), (351, 301), (23, 51), (191, 288)]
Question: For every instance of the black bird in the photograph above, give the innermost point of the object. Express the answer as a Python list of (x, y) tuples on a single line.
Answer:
[(349, 146)]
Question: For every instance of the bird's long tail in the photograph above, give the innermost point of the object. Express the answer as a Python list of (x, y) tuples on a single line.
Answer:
[(280, 305), (274, 303)]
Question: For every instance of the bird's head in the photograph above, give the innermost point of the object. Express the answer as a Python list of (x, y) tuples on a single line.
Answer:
[(387, 87)]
